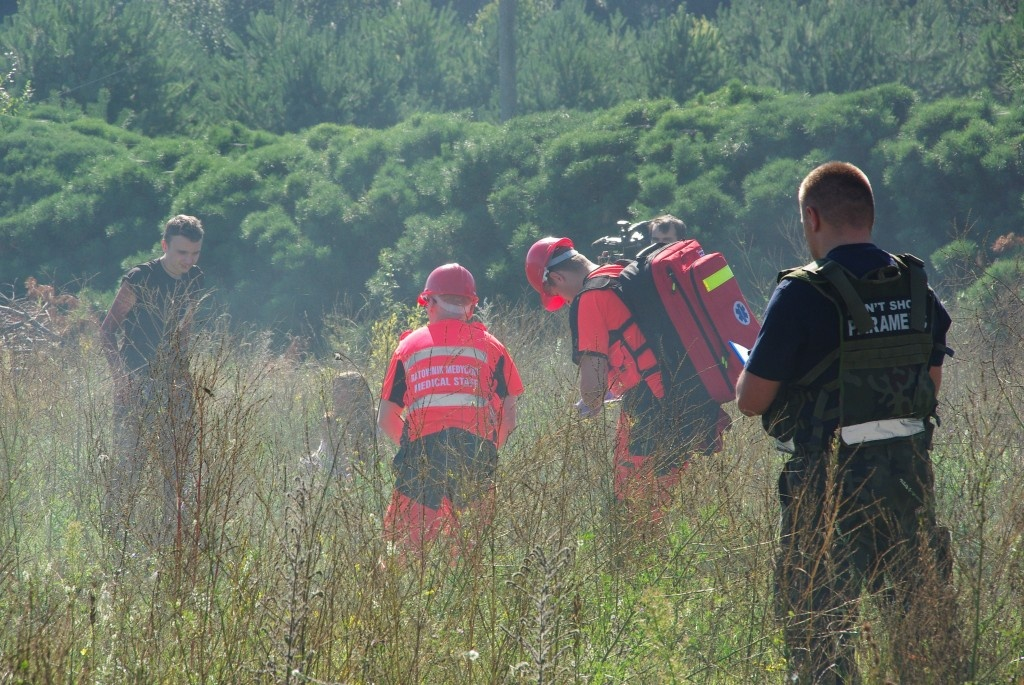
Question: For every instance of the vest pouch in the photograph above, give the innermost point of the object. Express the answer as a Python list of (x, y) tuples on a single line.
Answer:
[(780, 420)]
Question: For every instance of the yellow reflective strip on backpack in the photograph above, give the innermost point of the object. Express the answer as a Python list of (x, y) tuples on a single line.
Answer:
[(716, 279)]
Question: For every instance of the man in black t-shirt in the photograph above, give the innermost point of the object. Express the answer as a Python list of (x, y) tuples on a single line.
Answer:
[(153, 401)]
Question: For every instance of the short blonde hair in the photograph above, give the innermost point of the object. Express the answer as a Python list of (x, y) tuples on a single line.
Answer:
[(457, 300), (841, 193), (350, 387)]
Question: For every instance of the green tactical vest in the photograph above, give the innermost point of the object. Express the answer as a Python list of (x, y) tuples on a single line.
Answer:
[(886, 343)]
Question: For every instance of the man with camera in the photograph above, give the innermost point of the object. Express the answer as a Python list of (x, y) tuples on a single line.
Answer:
[(660, 230), (666, 229)]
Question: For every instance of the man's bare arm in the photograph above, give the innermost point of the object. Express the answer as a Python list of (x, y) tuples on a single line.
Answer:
[(936, 373), (593, 381), (112, 322), (755, 394), (507, 420), (390, 421)]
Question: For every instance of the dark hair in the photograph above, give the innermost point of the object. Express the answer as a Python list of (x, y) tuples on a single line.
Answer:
[(677, 225), (841, 193), (185, 226)]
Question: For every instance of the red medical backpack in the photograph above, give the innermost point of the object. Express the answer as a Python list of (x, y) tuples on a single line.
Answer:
[(692, 311)]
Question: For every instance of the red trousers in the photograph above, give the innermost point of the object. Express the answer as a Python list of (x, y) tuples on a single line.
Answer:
[(653, 444), (444, 487), (411, 526), (643, 483)]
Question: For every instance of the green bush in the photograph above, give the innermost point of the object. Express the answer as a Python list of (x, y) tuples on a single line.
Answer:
[(589, 178), (956, 263), (569, 60), (348, 207), (952, 165), (682, 56)]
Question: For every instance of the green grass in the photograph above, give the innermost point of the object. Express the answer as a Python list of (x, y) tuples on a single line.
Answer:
[(286, 586)]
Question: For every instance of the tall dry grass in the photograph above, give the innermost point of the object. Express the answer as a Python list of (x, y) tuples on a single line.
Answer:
[(284, 584)]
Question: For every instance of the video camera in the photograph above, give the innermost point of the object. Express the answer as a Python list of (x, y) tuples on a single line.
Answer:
[(632, 238)]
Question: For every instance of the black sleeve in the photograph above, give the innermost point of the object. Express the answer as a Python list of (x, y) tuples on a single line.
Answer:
[(501, 386), (398, 386)]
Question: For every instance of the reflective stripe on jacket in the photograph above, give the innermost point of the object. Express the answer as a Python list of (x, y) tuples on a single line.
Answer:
[(451, 374)]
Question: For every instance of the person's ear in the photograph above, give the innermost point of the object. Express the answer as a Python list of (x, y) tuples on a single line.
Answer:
[(812, 219)]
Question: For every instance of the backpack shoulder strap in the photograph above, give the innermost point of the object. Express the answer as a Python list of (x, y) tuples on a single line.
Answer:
[(840, 280), (807, 272), (604, 276), (598, 283), (918, 288), (602, 281), (828, 271)]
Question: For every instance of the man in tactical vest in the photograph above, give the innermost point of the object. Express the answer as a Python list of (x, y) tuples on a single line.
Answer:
[(845, 374)]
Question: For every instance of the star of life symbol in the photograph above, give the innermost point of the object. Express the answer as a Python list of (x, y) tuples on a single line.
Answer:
[(740, 311)]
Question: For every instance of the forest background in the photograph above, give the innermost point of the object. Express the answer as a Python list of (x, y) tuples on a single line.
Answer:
[(338, 151)]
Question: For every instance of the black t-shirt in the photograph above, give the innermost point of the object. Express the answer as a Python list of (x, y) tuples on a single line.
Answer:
[(800, 326), (156, 328)]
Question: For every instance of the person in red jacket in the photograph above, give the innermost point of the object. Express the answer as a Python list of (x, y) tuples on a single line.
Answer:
[(659, 428), (449, 403)]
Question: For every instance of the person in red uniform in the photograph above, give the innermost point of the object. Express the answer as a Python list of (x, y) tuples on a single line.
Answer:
[(449, 403), (659, 428)]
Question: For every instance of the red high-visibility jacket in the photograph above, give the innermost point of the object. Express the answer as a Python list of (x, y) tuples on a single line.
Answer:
[(451, 374)]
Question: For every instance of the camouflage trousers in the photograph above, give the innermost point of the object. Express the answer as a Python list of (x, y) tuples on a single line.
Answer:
[(858, 520)]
